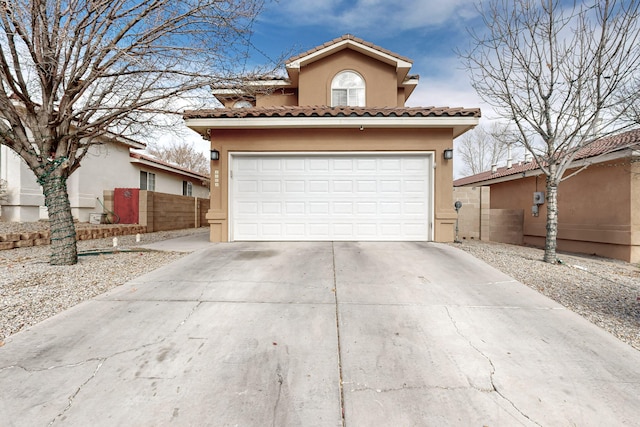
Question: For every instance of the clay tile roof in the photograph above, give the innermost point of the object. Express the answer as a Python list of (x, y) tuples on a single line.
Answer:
[(502, 171), (609, 144), (324, 111), (349, 37)]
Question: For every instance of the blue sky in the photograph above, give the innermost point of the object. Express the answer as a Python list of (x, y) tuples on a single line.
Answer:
[(426, 31)]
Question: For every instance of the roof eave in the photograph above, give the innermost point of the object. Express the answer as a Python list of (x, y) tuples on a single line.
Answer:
[(168, 168), (457, 123)]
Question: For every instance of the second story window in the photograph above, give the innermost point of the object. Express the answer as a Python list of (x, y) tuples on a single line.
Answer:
[(347, 89)]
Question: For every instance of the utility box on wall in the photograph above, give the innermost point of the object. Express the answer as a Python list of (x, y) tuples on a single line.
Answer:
[(126, 205), (538, 198)]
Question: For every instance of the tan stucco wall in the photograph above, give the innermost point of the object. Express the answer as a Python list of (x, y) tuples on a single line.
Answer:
[(473, 217), (277, 98), (597, 210), (380, 79), (635, 210), (318, 140)]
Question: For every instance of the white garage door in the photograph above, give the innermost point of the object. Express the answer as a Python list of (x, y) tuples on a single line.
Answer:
[(331, 197)]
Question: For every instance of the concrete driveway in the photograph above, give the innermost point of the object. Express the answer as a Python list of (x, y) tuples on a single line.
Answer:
[(319, 334)]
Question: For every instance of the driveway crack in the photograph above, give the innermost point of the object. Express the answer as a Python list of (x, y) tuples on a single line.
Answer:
[(78, 390), (491, 374), (335, 294)]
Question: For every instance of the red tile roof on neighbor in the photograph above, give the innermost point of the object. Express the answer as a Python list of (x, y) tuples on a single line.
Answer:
[(324, 111), (621, 141), (348, 37)]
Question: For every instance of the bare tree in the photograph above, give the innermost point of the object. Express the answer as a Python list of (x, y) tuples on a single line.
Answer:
[(74, 71), (557, 70), (483, 147), (182, 154)]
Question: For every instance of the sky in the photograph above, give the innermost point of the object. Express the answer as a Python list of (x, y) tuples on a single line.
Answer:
[(426, 31)]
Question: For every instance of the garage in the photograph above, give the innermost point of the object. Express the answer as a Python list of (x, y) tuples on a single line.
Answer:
[(330, 196)]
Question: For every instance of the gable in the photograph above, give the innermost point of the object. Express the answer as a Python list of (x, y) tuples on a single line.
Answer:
[(380, 79), (386, 74), (401, 64), (309, 77)]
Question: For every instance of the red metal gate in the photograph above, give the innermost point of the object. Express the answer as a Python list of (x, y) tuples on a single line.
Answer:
[(126, 205)]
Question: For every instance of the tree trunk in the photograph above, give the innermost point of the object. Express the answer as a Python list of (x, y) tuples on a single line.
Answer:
[(63, 231), (552, 222)]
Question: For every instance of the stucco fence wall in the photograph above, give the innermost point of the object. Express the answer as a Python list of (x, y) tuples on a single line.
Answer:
[(163, 212), (477, 221)]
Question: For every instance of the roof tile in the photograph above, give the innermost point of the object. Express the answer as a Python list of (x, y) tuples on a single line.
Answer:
[(604, 145), (325, 111)]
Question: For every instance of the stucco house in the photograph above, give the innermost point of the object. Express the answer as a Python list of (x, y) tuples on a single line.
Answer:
[(598, 209), (331, 152), (114, 163)]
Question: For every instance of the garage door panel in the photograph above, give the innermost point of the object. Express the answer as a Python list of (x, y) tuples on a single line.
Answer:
[(294, 186), (319, 208), (271, 208), (270, 165), (294, 208), (318, 165), (271, 186), (330, 197), (319, 186), (248, 186), (343, 186), (342, 165), (247, 208)]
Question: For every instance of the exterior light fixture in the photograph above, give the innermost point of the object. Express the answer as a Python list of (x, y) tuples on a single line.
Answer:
[(215, 155), (448, 154)]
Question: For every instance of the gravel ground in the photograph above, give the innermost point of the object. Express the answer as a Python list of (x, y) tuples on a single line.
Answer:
[(31, 290), (605, 292)]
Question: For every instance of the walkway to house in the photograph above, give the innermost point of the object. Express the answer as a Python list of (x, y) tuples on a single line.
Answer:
[(319, 334)]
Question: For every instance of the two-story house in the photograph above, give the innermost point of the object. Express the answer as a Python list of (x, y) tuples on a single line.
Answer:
[(331, 152)]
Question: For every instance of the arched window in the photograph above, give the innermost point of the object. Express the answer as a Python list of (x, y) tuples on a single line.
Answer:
[(347, 88), (243, 104)]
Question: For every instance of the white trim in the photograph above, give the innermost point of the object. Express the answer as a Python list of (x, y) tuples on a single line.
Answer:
[(430, 154), (389, 59), (459, 124)]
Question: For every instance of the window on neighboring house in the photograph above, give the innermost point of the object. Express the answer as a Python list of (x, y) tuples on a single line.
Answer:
[(348, 89), (147, 181), (187, 188)]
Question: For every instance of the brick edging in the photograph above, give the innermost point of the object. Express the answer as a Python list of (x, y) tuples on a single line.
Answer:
[(40, 238)]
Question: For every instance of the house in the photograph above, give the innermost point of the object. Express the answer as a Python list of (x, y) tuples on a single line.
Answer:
[(112, 164), (598, 209), (331, 152)]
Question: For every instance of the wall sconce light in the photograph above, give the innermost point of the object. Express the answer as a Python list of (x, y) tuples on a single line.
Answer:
[(215, 155), (448, 154)]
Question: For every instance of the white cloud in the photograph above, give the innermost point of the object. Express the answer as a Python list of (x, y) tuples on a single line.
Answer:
[(368, 17)]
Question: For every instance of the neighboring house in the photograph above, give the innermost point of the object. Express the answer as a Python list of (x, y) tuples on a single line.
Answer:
[(164, 177), (598, 209), (331, 152), (107, 166)]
